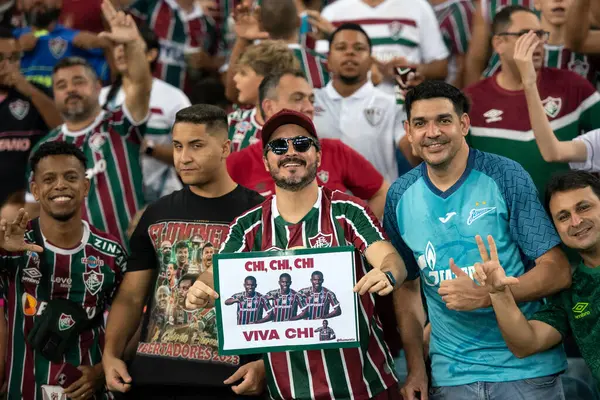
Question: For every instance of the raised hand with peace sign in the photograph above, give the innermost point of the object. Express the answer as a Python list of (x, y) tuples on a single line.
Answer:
[(490, 273)]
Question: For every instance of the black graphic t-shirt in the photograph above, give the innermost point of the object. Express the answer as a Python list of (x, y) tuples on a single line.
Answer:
[(22, 128), (177, 236)]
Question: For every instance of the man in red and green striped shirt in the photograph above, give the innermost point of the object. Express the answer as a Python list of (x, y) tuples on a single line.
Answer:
[(302, 214), (77, 262), (183, 30), (110, 139)]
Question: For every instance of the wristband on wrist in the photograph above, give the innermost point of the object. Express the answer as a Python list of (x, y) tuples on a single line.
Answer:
[(390, 278)]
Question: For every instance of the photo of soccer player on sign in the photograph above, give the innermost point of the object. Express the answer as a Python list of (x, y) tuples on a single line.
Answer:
[(250, 304), (322, 302), (288, 305)]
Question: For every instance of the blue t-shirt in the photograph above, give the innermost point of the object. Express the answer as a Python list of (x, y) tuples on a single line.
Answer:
[(37, 64), (494, 196)]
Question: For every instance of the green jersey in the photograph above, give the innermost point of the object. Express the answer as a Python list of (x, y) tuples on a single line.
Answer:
[(336, 219), (88, 275), (575, 311), (244, 129)]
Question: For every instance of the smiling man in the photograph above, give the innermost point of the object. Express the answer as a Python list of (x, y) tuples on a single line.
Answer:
[(455, 194), (573, 201)]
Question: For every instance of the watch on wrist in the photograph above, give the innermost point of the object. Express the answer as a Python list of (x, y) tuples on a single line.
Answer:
[(391, 278), (149, 148)]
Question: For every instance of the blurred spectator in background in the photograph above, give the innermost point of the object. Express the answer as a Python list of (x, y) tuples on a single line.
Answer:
[(481, 54), (267, 57), (10, 14), (166, 100), (45, 42), (27, 114), (500, 122), (277, 20), (83, 15), (351, 109), (405, 33), (342, 168), (188, 40), (583, 24), (111, 140), (456, 19)]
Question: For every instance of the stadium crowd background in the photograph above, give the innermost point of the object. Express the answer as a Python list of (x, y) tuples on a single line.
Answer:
[(252, 58)]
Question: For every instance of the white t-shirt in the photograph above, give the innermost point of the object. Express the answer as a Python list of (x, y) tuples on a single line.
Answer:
[(369, 121), (397, 28), (592, 145), (166, 100)]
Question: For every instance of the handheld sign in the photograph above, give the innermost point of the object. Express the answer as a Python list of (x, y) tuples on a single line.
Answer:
[(286, 300)]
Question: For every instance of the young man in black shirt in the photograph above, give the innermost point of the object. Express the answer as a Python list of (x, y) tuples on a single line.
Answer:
[(178, 357), (27, 113)]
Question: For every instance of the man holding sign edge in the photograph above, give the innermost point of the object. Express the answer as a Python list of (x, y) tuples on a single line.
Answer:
[(304, 210)]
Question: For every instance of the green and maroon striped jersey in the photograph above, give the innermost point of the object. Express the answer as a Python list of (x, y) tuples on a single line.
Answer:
[(250, 309), (112, 146), (178, 32), (313, 65), (88, 274), (244, 129), (286, 305), (336, 219)]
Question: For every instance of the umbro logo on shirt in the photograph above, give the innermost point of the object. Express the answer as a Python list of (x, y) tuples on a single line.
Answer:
[(477, 213), (493, 115)]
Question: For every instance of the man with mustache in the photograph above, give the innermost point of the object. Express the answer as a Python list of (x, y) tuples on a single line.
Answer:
[(573, 202), (110, 139), (302, 214), (432, 215), (45, 42), (342, 168), (351, 109)]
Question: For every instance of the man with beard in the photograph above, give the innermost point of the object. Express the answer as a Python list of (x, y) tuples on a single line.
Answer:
[(110, 139), (456, 194), (342, 168), (27, 113), (207, 256), (288, 305), (46, 42), (321, 302), (352, 109), (165, 251), (302, 214), (208, 203), (57, 247), (250, 304)]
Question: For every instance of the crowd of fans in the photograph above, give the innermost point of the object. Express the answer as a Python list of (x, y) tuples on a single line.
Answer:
[(139, 137)]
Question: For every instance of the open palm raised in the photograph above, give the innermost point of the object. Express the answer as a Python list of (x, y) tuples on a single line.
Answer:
[(12, 235), (490, 273)]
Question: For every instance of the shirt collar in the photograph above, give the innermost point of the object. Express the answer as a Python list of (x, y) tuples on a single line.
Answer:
[(364, 91), (275, 211), (195, 13), (85, 130)]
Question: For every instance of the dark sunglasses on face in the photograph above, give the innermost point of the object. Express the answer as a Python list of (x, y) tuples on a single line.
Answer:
[(541, 34), (12, 57), (301, 144)]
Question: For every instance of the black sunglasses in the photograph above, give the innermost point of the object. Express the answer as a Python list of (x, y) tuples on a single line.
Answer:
[(301, 144), (541, 34)]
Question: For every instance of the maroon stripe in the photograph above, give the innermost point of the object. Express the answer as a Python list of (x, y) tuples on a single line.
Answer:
[(355, 373), (267, 229), (14, 304), (296, 239), (375, 21), (327, 227), (279, 368), (163, 17), (61, 270), (313, 68), (106, 203), (123, 166), (196, 32), (319, 379)]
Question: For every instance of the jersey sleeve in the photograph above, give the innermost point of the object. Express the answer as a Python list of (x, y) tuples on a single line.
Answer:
[(390, 225), (266, 306), (119, 270), (530, 226), (363, 228), (143, 254), (592, 146), (235, 242), (333, 301), (431, 42), (554, 314), (359, 175), (589, 103)]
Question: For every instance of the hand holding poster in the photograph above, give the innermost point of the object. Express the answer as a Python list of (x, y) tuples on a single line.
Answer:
[(286, 300)]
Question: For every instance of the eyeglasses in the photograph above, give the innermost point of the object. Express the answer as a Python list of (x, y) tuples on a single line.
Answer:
[(541, 34), (12, 57), (301, 144)]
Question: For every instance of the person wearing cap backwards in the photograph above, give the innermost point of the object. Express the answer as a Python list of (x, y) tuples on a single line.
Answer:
[(302, 214), (342, 168)]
